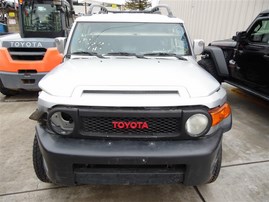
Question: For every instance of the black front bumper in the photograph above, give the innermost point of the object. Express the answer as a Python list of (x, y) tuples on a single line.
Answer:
[(70, 161)]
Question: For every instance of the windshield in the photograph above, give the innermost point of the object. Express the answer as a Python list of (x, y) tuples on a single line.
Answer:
[(40, 17), (137, 38)]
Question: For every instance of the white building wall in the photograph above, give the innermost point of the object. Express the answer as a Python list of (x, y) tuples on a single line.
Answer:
[(216, 19)]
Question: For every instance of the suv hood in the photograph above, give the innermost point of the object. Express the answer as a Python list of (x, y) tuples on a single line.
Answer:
[(224, 43), (117, 74)]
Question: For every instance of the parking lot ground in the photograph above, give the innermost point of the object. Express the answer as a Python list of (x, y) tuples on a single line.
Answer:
[(244, 175)]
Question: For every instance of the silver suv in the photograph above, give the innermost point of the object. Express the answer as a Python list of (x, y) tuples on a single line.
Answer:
[(129, 105)]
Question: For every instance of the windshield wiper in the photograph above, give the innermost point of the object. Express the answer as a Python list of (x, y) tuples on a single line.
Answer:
[(124, 54), (87, 53), (162, 54)]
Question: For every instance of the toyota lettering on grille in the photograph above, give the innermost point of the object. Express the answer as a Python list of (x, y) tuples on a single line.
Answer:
[(130, 125)]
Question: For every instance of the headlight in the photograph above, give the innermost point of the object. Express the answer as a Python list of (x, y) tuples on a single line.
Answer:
[(196, 125), (61, 123)]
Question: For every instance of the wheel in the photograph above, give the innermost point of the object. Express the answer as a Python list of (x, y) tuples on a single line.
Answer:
[(210, 67), (6, 91), (38, 163), (216, 168)]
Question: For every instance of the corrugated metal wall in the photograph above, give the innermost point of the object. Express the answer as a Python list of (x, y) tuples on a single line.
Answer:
[(216, 19)]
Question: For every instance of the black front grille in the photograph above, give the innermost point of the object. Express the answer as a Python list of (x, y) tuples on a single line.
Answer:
[(161, 122), (27, 53), (153, 126)]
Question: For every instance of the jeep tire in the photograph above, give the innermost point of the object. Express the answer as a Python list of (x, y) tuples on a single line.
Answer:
[(38, 163), (210, 67)]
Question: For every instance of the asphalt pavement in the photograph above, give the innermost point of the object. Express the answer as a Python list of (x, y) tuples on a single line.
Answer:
[(244, 175)]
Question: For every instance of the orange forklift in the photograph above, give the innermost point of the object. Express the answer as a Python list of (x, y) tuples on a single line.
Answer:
[(26, 57)]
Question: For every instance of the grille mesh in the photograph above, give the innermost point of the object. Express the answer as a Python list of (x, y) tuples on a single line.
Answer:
[(164, 125)]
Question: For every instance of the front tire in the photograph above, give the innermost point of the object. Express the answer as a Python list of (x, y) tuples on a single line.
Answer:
[(6, 91), (38, 163), (210, 67)]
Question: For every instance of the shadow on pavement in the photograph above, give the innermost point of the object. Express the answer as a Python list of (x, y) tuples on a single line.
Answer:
[(21, 97)]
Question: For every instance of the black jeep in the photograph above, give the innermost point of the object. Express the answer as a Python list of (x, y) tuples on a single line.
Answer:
[(242, 61)]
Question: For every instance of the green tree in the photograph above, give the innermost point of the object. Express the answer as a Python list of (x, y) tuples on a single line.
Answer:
[(137, 4)]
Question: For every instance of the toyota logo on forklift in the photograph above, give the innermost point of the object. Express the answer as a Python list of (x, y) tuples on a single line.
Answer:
[(130, 125)]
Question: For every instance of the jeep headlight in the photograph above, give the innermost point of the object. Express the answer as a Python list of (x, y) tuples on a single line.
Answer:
[(197, 124), (61, 123)]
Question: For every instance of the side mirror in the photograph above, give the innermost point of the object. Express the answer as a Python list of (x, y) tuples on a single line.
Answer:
[(60, 44), (240, 36), (198, 46)]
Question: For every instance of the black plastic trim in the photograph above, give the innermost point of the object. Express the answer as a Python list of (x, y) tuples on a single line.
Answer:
[(249, 89), (218, 58)]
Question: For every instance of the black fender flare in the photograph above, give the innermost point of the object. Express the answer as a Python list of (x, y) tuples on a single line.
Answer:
[(218, 58)]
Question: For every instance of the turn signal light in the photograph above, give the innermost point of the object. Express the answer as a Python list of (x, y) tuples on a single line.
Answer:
[(220, 113)]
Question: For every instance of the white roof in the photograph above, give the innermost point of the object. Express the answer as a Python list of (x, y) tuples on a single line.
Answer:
[(129, 17), (118, 2)]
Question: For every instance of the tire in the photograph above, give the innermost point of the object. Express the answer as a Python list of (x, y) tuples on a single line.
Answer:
[(210, 67), (6, 91), (38, 163), (216, 168)]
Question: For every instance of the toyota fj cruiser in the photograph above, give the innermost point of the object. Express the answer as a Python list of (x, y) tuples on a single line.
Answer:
[(244, 60), (129, 105)]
